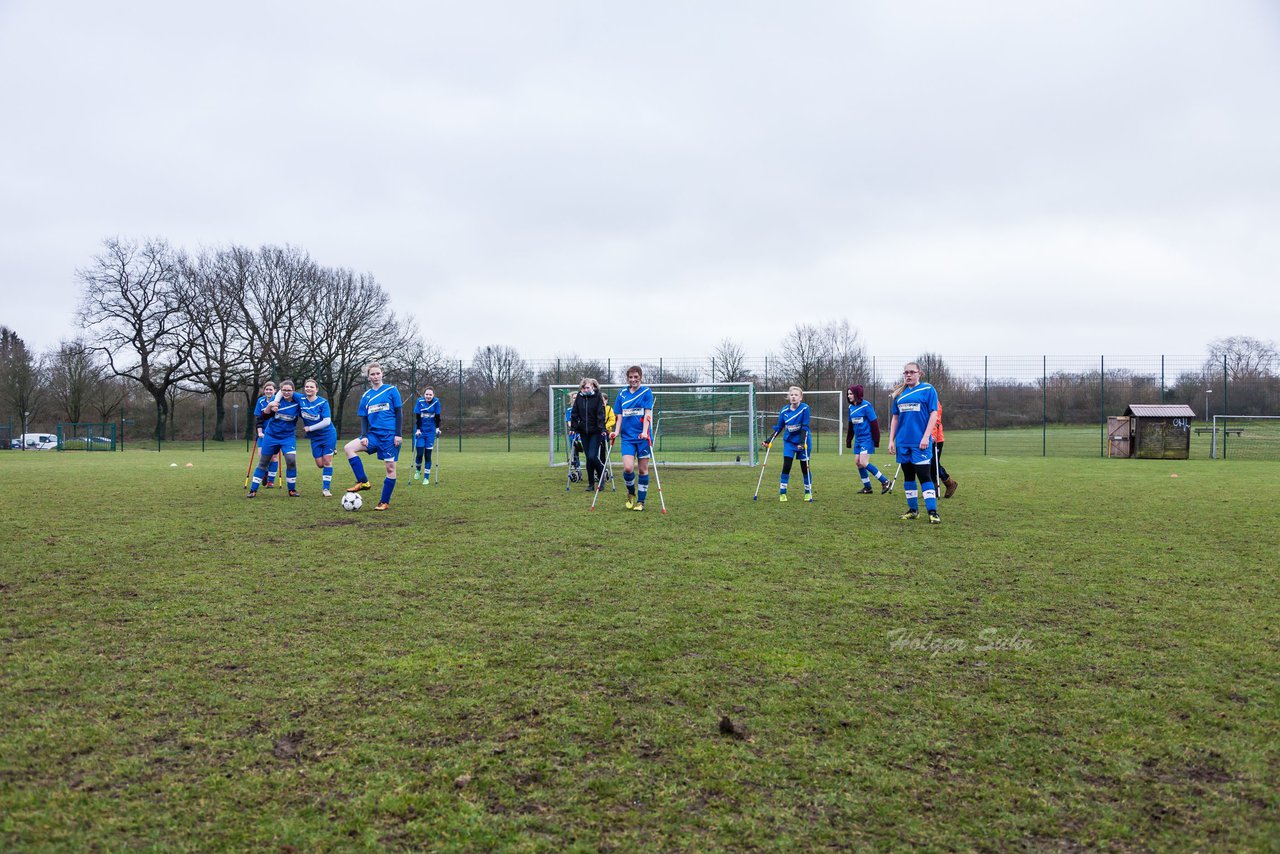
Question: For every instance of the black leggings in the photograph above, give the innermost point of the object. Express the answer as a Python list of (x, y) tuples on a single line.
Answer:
[(925, 470), (786, 465), (938, 468)]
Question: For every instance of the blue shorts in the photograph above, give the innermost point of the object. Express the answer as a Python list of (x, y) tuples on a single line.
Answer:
[(324, 444), (796, 449), (638, 448), (425, 439), (271, 447), (384, 445), (866, 447), (913, 454)]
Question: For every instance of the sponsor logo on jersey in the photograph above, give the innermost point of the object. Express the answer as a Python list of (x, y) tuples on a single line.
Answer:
[(628, 413), (909, 407), (858, 419), (379, 407)]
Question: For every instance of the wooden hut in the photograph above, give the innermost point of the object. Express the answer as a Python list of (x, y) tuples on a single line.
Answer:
[(1159, 431)]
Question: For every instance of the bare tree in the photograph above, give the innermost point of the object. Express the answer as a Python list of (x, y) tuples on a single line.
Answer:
[(73, 375), (21, 373), (729, 362), (1245, 358), (498, 366), (802, 353), (277, 282), (934, 371), (218, 282), (132, 300), (845, 356), (349, 323), (109, 395)]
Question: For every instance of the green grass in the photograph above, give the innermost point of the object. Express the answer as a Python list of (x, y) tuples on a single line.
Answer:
[(489, 665)]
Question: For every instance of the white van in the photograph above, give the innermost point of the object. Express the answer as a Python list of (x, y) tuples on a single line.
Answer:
[(38, 441)]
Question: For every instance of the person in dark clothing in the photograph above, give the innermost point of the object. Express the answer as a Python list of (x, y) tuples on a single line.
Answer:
[(587, 419)]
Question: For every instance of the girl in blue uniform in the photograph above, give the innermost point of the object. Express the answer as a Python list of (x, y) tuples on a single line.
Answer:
[(915, 411), (380, 412), (793, 425), (427, 417), (862, 433), (279, 425), (317, 424), (268, 393), (635, 426)]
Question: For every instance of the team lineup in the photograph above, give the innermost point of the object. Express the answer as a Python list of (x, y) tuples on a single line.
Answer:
[(594, 428)]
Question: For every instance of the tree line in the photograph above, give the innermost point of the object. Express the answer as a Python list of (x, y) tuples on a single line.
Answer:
[(163, 325)]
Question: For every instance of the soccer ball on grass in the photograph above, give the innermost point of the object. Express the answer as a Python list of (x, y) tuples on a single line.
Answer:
[(352, 501)]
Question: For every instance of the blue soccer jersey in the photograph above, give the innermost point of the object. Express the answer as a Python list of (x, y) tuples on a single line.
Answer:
[(793, 424), (317, 412), (913, 406), (380, 407), (426, 417), (861, 416), (283, 423), (630, 407)]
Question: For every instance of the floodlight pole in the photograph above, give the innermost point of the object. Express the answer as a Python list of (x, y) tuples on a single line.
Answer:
[(235, 409), (25, 417), (1207, 392)]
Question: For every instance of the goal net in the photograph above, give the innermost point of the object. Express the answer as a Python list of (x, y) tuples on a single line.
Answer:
[(1245, 437), (827, 413), (86, 436), (694, 424)]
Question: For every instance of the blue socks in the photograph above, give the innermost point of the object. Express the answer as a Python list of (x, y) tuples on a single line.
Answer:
[(358, 467), (326, 477), (388, 486), (644, 488)]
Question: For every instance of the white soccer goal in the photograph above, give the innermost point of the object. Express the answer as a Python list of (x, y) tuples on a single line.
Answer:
[(694, 424), (1245, 437), (828, 411)]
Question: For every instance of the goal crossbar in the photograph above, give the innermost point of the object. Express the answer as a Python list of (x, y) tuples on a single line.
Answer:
[(693, 422)]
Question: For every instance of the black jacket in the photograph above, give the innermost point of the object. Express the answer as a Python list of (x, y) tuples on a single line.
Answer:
[(588, 414)]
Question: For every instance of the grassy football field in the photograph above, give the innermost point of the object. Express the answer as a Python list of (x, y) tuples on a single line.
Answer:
[(1084, 654)]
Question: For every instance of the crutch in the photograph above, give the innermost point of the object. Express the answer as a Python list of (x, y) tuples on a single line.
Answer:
[(768, 446), (435, 462), (600, 483), (253, 453), (653, 463)]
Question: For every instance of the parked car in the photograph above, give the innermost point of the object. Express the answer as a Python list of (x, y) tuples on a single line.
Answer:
[(37, 441)]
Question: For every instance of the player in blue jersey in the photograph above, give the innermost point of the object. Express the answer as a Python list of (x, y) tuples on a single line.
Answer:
[(279, 424), (380, 410), (793, 426), (427, 418), (634, 408), (268, 393), (915, 411), (862, 433), (317, 424)]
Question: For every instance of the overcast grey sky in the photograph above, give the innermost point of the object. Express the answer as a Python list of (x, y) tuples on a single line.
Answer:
[(647, 179)]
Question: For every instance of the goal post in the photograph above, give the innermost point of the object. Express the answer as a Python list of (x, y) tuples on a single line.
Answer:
[(1245, 437), (828, 411), (694, 424)]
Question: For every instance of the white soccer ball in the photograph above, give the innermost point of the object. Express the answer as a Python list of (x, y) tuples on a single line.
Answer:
[(352, 501)]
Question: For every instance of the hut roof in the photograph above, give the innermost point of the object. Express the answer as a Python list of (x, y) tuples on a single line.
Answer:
[(1160, 410)]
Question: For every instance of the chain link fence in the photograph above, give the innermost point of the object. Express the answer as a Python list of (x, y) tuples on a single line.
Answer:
[(995, 405)]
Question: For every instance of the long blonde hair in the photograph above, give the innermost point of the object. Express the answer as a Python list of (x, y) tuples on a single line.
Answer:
[(903, 384)]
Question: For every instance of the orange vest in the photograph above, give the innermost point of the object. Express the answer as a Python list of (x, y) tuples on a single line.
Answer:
[(937, 427)]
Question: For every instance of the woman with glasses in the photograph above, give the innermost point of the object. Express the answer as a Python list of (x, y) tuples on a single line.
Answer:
[(915, 412)]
